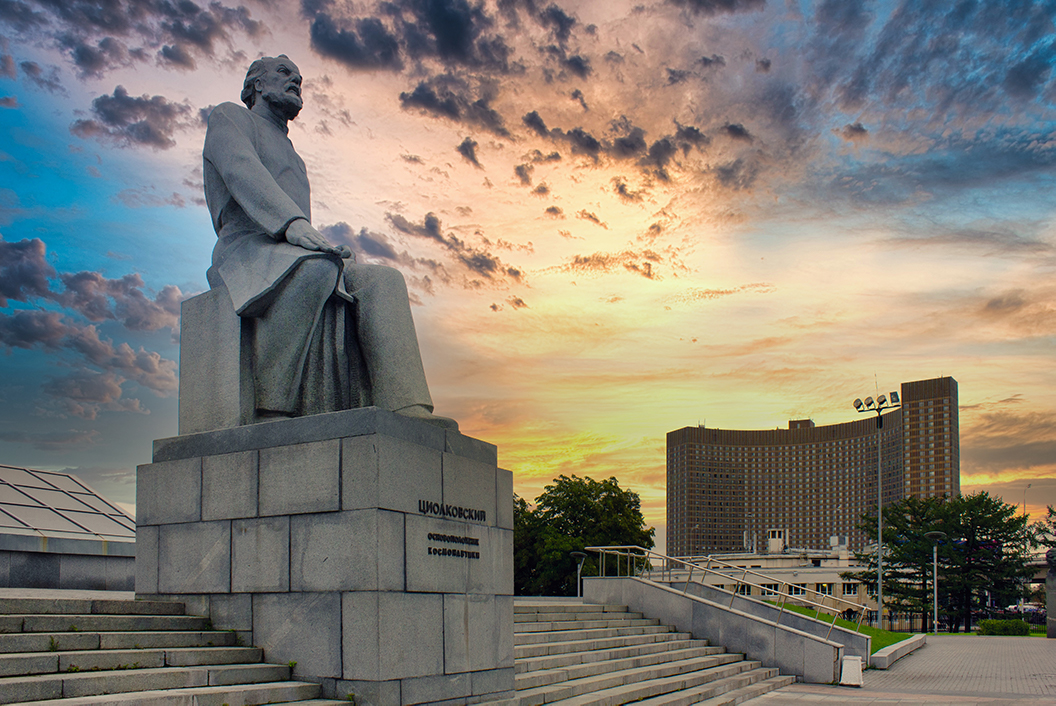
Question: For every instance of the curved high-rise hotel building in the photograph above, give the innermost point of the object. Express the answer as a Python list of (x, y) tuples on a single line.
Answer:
[(729, 490)]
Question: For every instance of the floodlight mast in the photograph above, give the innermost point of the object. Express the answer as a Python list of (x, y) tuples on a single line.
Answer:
[(879, 405)]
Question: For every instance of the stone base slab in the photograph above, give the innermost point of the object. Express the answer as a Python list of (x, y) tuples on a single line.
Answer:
[(373, 550)]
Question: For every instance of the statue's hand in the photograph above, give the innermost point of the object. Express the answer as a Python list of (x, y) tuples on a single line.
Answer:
[(301, 233)]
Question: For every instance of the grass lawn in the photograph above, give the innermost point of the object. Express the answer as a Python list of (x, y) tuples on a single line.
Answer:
[(880, 638)]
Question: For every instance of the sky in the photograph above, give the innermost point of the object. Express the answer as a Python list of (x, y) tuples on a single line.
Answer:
[(615, 218)]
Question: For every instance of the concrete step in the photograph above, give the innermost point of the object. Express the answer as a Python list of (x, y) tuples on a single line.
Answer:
[(66, 641), (535, 638), (28, 663), (80, 622), (585, 615), (543, 677), (598, 643), (724, 692), (554, 626), (531, 664), (271, 693), (54, 686), (547, 607), (631, 685), (41, 606)]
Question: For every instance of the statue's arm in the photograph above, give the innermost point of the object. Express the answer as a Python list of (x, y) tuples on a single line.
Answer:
[(229, 148)]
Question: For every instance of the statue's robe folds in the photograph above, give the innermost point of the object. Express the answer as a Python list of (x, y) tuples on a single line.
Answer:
[(305, 310)]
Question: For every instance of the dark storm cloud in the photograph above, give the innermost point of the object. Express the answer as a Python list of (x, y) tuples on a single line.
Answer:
[(715, 7), (630, 145), (477, 260), (365, 43), (130, 120), (454, 98), (582, 142), (468, 149), (97, 35), (454, 33), (555, 19)]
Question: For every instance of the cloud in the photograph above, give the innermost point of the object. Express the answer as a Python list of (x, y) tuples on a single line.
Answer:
[(51, 440), (363, 43), (129, 120), (47, 79), (85, 393), (523, 172), (24, 271), (854, 132), (577, 95), (592, 217), (598, 263), (476, 260), (624, 191), (541, 190), (713, 61), (468, 149), (453, 98), (7, 66), (715, 7), (736, 131), (763, 66), (8, 102), (535, 123), (555, 19), (96, 35), (555, 212)]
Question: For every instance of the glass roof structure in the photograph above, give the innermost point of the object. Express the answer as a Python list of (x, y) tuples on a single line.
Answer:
[(58, 505)]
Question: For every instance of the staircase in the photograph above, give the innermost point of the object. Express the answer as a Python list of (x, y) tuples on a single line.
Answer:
[(577, 654), (72, 652)]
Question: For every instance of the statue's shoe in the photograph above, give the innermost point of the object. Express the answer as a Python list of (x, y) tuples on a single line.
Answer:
[(419, 412)]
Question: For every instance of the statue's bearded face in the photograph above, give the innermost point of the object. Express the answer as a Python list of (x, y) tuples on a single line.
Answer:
[(280, 88)]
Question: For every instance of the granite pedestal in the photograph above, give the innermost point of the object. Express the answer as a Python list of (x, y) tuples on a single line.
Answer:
[(374, 550)]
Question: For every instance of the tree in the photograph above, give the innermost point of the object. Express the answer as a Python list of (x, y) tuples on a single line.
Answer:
[(571, 514), (983, 559)]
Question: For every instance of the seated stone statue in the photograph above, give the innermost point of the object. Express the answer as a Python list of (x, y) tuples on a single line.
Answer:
[(308, 307)]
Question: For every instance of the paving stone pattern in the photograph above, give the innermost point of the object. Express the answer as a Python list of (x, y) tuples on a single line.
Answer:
[(951, 669)]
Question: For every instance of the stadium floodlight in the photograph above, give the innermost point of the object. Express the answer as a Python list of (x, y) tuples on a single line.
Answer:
[(879, 405)]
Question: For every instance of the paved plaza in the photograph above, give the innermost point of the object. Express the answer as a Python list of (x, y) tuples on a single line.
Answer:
[(950, 669)]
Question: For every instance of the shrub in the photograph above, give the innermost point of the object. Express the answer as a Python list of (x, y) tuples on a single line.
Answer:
[(1004, 627)]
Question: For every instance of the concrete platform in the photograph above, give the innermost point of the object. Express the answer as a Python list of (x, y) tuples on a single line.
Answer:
[(952, 669)]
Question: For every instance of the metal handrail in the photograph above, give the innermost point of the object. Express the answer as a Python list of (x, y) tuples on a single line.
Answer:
[(667, 562)]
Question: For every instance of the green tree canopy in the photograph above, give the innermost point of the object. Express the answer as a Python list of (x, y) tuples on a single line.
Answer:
[(984, 557), (572, 513)]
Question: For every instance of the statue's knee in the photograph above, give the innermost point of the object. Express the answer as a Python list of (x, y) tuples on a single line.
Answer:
[(377, 277), (317, 273)]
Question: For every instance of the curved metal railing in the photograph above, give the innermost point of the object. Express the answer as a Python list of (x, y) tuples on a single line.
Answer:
[(644, 563)]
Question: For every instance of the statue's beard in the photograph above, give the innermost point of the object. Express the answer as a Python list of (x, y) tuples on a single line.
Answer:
[(286, 104)]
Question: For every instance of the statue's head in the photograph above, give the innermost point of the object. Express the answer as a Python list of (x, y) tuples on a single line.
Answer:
[(275, 80)]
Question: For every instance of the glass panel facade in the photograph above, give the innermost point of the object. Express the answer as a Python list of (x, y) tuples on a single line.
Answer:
[(58, 505)]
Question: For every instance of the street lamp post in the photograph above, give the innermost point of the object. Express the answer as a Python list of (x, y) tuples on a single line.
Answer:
[(1025, 498), (878, 405), (935, 536)]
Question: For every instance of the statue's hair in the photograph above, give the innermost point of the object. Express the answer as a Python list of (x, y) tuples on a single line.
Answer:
[(256, 70)]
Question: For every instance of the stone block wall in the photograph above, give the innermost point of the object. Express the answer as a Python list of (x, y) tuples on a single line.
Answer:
[(376, 551)]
